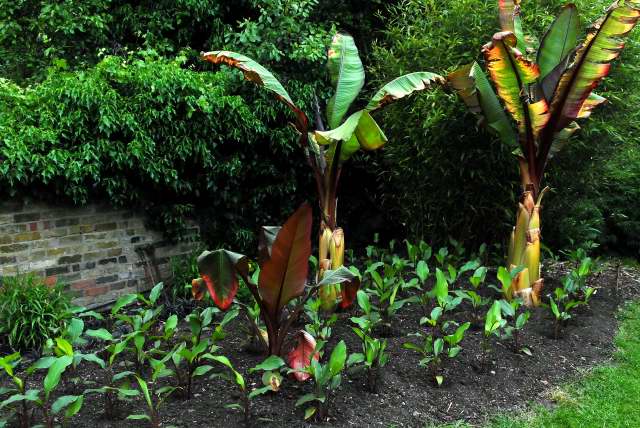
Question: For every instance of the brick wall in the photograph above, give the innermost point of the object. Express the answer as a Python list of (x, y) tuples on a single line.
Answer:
[(99, 252)]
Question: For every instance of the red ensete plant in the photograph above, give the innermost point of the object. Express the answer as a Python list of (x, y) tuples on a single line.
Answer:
[(284, 267)]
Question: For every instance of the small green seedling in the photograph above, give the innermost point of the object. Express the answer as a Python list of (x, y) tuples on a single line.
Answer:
[(271, 380), (326, 378)]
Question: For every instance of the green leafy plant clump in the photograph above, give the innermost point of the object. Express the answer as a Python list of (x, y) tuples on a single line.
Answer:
[(31, 311)]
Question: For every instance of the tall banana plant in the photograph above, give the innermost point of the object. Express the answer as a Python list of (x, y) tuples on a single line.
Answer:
[(542, 99), (327, 148)]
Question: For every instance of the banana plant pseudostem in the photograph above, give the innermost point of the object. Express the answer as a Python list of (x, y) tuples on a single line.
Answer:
[(544, 98), (326, 149)]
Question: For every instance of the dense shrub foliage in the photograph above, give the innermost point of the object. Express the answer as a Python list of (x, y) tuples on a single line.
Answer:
[(31, 312), (143, 131), (443, 176)]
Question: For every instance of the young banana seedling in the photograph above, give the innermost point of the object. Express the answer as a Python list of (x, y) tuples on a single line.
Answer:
[(271, 380), (21, 399), (373, 357), (326, 379)]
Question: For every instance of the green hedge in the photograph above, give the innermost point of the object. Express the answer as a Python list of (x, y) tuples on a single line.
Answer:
[(440, 175), (147, 132)]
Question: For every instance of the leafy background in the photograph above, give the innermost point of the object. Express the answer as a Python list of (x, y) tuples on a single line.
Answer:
[(106, 99)]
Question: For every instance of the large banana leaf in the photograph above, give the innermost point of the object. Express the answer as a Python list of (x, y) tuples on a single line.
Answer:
[(360, 130), (369, 134), (347, 76), (510, 21), (559, 41), (592, 62), (218, 270), (284, 275), (402, 87), (512, 75), (259, 75), (475, 90)]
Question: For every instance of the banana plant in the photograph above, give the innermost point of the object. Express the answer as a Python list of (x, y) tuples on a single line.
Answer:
[(543, 99), (327, 148)]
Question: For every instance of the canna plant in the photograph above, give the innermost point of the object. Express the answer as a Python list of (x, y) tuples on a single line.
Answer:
[(336, 137), (544, 98), (284, 264)]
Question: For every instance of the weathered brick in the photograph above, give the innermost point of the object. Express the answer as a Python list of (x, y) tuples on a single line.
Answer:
[(90, 256), (105, 245), (118, 285), (69, 278), (14, 248), (107, 261), (106, 279), (27, 217), (67, 222), (33, 227), (7, 260), (90, 265), (73, 239), (51, 280), (5, 239), (27, 236), (122, 259), (114, 252), (12, 229), (55, 252), (75, 268), (95, 291), (70, 259), (86, 228), (135, 239), (105, 227), (83, 284), (56, 270)]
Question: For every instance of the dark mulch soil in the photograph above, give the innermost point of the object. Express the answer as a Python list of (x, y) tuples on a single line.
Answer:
[(408, 397)]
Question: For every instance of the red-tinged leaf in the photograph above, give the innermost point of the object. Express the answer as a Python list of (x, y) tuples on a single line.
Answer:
[(592, 62), (512, 75), (299, 357), (508, 10), (197, 288), (259, 75), (510, 20), (474, 88), (265, 242), (219, 271), (349, 292), (593, 101), (403, 86), (284, 275), (462, 81)]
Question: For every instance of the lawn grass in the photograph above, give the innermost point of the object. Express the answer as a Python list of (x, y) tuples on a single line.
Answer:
[(608, 396)]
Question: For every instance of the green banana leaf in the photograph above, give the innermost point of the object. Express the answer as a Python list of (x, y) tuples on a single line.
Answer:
[(347, 76)]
